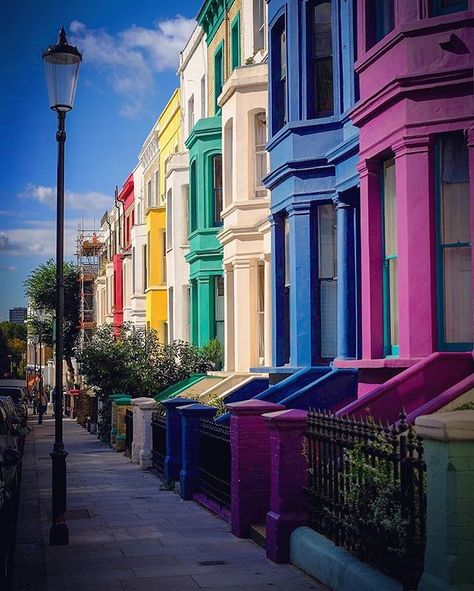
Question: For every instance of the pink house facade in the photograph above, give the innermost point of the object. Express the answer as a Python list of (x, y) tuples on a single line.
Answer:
[(416, 166)]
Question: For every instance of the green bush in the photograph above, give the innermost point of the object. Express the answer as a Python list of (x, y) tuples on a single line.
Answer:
[(214, 352)]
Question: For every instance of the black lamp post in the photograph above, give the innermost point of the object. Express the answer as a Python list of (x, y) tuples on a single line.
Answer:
[(61, 65)]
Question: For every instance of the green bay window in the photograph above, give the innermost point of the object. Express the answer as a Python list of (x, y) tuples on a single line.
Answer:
[(217, 189), (454, 244), (235, 42)]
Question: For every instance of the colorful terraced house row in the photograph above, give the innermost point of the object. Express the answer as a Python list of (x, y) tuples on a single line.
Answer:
[(305, 198)]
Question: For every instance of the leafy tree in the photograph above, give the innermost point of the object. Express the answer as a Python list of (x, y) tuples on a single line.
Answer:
[(135, 362), (41, 291), (12, 348)]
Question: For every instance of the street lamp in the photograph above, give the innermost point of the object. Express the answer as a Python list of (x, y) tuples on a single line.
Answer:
[(40, 314), (61, 65)]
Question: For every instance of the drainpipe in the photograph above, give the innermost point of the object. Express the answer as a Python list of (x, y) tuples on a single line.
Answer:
[(116, 204), (226, 43)]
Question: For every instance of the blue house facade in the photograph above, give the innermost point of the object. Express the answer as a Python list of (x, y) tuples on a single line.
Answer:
[(314, 182)]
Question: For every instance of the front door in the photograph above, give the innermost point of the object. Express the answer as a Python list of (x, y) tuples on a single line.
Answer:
[(327, 282)]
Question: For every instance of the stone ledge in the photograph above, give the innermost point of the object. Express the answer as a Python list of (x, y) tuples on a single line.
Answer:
[(447, 426), (333, 566)]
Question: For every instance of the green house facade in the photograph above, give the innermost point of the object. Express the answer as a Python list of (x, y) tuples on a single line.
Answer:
[(204, 218)]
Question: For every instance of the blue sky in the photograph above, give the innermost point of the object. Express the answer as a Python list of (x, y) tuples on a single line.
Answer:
[(130, 56)]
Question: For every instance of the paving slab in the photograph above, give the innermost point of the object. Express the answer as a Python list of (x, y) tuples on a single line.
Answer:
[(127, 535)]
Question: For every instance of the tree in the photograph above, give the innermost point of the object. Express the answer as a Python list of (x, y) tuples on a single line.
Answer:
[(41, 292), (136, 363), (12, 348)]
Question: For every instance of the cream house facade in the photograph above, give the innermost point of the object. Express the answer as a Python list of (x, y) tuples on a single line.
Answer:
[(192, 74), (245, 235), (138, 253)]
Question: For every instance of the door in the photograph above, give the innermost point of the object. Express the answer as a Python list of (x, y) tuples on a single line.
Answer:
[(327, 282)]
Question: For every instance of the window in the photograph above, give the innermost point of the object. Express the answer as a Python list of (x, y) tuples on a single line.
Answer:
[(380, 20), (133, 269), (163, 258), (218, 75), (235, 42), (261, 312), (192, 199), (219, 308), (149, 198), (261, 158), (186, 312), (454, 244), (390, 256), (279, 76), (190, 114), (157, 187), (171, 314), (169, 219), (327, 279), (447, 6), (286, 295), (185, 191), (320, 75), (203, 96), (217, 188), (259, 16), (229, 161), (145, 266)]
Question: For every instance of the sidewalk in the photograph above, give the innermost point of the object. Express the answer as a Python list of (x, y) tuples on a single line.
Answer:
[(126, 534)]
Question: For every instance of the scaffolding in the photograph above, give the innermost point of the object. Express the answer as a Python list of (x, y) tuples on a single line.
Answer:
[(89, 248)]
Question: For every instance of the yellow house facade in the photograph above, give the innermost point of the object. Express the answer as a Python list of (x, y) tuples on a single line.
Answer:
[(163, 140)]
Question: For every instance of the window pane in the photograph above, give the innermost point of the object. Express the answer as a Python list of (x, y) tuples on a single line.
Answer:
[(321, 99), (287, 253), (261, 310), (261, 166), (327, 241), (217, 180), (328, 318), (457, 295), (393, 302), (390, 212)]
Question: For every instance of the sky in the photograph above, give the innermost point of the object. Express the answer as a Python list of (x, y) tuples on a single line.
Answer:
[(130, 57)]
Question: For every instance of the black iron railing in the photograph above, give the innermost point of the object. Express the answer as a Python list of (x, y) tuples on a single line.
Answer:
[(128, 430), (158, 426), (367, 491), (214, 462)]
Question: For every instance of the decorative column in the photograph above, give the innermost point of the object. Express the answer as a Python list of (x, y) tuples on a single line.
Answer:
[(346, 280), (277, 222), (173, 437), (416, 247), (302, 316), (288, 480), (449, 452), (268, 311), (371, 259), (205, 310), (250, 475), (138, 418), (145, 410), (190, 417), (229, 316)]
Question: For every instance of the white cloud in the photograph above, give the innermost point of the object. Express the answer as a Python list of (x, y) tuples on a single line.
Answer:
[(9, 268), (91, 202), (131, 59), (39, 237)]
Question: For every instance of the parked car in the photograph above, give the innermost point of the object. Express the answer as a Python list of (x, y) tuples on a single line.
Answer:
[(12, 434), (19, 398)]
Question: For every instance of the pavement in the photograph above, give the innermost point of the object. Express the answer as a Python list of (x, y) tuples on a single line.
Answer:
[(127, 535)]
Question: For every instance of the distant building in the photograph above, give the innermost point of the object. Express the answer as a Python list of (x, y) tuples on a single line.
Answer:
[(17, 315)]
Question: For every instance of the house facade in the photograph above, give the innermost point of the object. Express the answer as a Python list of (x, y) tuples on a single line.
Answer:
[(416, 165), (314, 182), (245, 235)]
